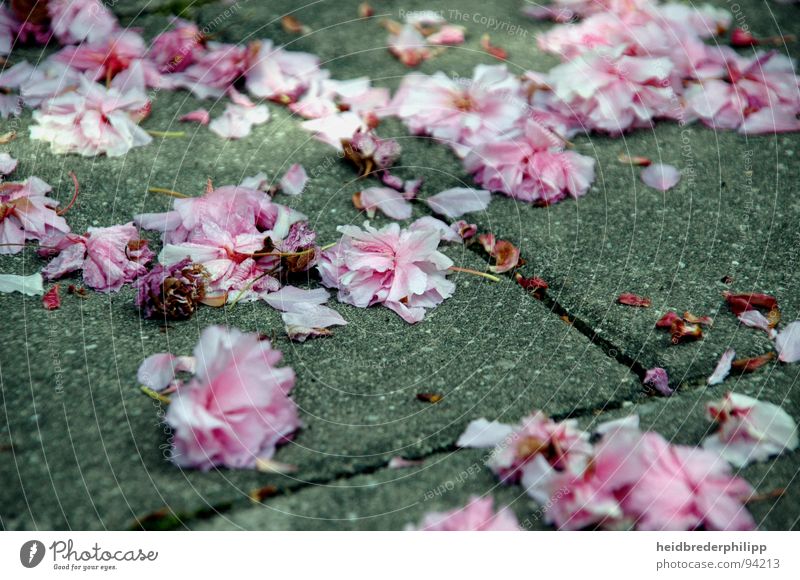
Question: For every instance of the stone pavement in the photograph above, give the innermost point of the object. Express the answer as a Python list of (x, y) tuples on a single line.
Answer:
[(81, 447)]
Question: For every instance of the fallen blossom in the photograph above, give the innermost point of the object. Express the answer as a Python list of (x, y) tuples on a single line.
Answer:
[(749, 365), (455, 202), (506, 254), (749, 430), (237, 121), (108, 56), (213, 70), (7, 164), (630, 299), (787, 343), (52, 299), (400, 269), (661, 176), (408, 46), (658, 379), (31, 285), (74, 21), (171, 292), (477, 516), (682, 488), (369, 153), (294, 180), (27, 213), (175, 50), (754, 319), (559, 443), (723, 368), (464, 229), (235, 409), (280, 75), (201, 116), (389, 201), (94, 120), (447, 233), (305, 321), (108, 257), (333, 129)]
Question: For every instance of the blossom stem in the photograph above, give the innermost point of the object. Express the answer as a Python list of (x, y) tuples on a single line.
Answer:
[(327, 247), (774, 494), (167, 192), (74, 195), (246, 288), (155, 395), (166, 134), (474, 273)]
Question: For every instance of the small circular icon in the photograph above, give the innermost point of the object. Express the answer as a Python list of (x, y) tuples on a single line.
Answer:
[(31, 553)]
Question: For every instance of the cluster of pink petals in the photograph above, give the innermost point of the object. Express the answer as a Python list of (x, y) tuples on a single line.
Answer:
[(94, 120), (626, 477), (477, 516), (532, 166), (400, 269), (515, 445), (108, 257), (749, 430), (222, 230), (235, 409), (74, 21), (175, 50), (26, 213)]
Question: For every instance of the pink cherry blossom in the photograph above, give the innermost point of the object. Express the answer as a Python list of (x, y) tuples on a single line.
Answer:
[(74, 21), (237, 121), (106, 58), (723, 368), (536, 435), (94, 120), (109, 257), (460, 112), (661, 176), (280, 75), (235, 409), (682, 488), (294, 180), (787, 343), (477, 516), (455, 202), (532, 167), (755, 319), (400, 269), (408, 46), (214, 70), (612, 92), (175, 50), (26, 213), (749, 430)]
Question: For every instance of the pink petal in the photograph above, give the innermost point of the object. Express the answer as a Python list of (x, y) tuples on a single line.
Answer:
[(754, 319), (660, 176), (659, 380), (310, 320), (482, 434), (723, 368), (389, 201), (400, 463), (7, 164), (787, 343), (294, 180), (201, 116), (158, 370), (454, 203), (52, 299), (287, 298)]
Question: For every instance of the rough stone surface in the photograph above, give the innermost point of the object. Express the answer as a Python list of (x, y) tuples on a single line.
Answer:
[(81, 447)]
